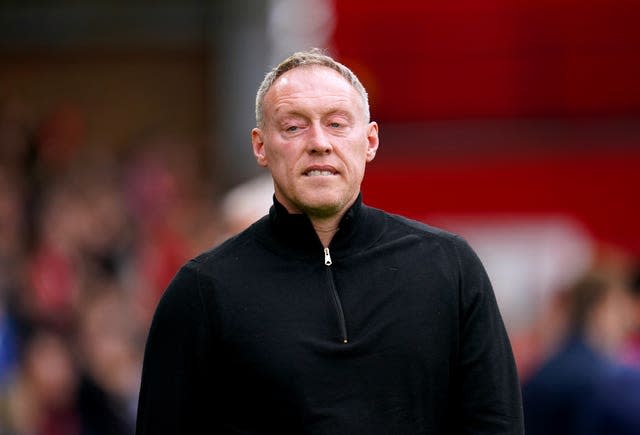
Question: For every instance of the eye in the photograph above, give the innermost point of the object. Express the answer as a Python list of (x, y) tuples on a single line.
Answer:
[(335, 125), (292, 128)]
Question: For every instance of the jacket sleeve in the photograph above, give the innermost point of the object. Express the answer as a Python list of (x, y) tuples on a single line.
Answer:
[(173, 392), (489, 395)]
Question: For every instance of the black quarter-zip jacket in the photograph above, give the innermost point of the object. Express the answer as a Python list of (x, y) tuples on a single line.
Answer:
[(393, 329)]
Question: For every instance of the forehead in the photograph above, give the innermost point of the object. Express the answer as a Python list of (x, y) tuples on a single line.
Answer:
[(312, 85)]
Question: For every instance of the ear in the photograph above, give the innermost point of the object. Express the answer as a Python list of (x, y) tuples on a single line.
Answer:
[(372, 140), (258, 146)]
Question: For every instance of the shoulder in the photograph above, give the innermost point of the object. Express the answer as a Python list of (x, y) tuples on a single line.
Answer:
[(230, 248), (398, 226), (211, 270), (431, 246), (440, 248)]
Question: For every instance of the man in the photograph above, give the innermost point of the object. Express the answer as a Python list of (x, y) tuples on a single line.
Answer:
[(581, 389), (327, 316)]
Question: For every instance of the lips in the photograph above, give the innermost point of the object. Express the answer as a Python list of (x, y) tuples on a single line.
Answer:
[(320, 171)]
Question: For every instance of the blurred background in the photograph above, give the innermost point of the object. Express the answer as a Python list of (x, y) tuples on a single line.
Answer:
[(125, 150)]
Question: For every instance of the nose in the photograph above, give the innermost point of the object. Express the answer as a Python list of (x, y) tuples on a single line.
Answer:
[(319, 142)]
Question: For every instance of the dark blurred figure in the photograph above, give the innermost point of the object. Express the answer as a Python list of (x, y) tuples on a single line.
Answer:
[(42, 399), (110, 357), (631, 352), (11, 256), (582, 388), (616, 407)]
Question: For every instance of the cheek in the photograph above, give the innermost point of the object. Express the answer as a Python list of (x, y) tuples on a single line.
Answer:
[(281, 164), (282, 161), (281, 152), (358, 159)]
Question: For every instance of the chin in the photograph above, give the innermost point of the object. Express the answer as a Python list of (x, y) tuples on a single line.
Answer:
[(323, 208), (322, 212)]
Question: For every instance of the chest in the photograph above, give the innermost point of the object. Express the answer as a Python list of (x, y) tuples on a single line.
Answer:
[(308, 320)]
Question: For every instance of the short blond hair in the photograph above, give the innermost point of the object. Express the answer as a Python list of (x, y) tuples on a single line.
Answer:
[(315, 56)]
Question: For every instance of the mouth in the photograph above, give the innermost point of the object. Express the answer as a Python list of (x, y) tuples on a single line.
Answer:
[(320, 172)]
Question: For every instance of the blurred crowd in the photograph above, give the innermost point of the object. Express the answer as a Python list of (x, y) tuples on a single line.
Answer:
[(90, 238)]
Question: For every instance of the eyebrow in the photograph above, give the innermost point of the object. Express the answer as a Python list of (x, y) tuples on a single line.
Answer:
[(289, 116), (338, 111), (301, 114)]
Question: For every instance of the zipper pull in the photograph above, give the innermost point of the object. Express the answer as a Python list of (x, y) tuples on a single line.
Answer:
[(327, 257)]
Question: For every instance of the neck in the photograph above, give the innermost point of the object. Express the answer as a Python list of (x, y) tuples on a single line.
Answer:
[(326, 225), (326, 229)]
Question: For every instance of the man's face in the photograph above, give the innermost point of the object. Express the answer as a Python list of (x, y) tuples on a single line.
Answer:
[(315, 141)]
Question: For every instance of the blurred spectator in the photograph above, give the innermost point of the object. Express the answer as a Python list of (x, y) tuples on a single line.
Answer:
[(173, 212), (574, 390), (110, 353), (60, 136), (631, 351), (17, 147), (53, 271), (43, 394), (12, 247), (11, 256), (8, 346), (615, 408)]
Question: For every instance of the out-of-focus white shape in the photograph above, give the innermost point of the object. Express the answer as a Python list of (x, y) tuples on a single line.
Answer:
[(295, 25), (527, 258), (247, 202)]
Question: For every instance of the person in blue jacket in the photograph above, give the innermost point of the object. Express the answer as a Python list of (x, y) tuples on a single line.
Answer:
[(583, 388)]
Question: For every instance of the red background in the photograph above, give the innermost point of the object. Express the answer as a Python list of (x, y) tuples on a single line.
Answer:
[(461, 61)]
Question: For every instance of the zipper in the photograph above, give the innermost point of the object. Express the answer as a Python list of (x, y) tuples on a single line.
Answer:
[(335, 297), (327, 257)]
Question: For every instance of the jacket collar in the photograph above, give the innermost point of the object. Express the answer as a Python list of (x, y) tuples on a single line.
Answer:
[(295, 233)]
